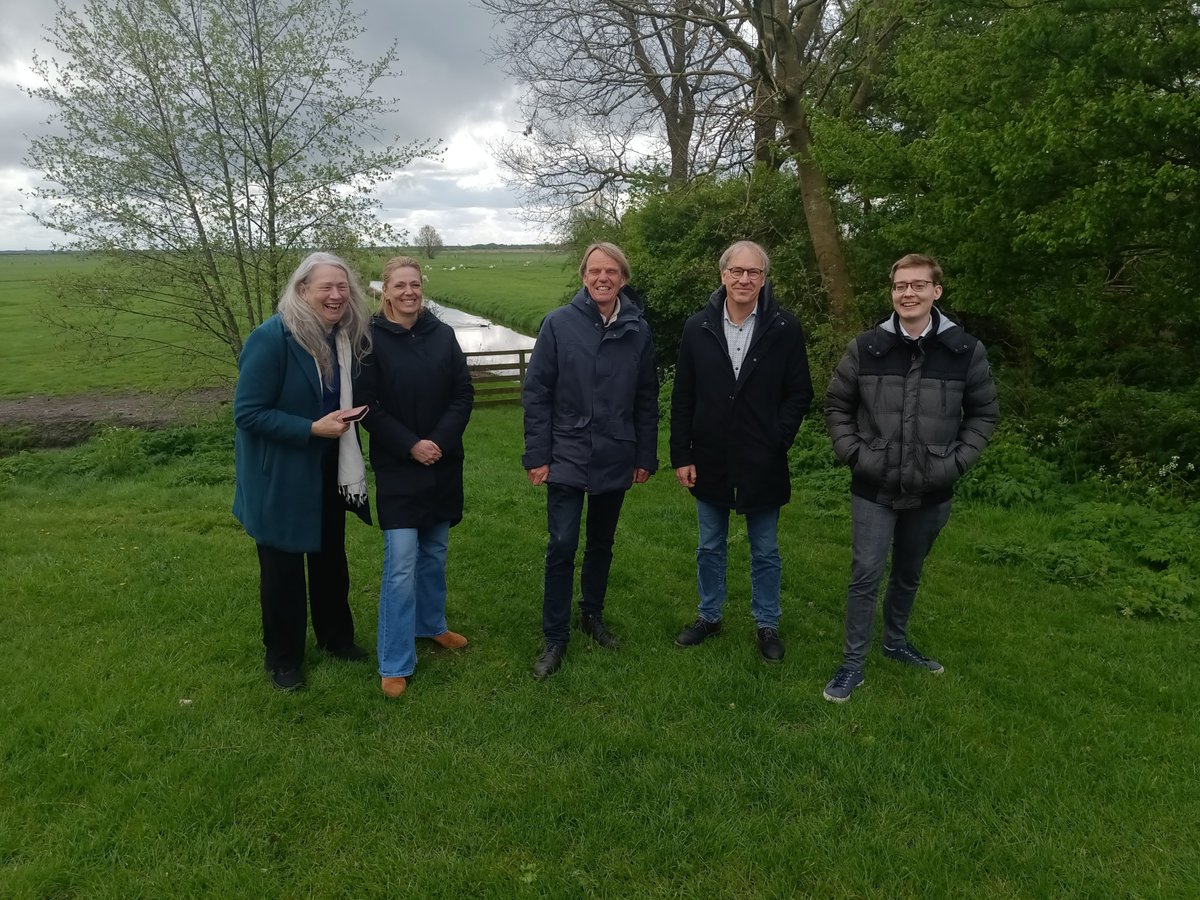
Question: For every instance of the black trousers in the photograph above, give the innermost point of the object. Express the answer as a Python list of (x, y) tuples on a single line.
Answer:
[(282, 591), (564, 513)]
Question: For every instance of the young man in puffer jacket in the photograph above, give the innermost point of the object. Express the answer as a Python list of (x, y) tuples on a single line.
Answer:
[(911, 406)]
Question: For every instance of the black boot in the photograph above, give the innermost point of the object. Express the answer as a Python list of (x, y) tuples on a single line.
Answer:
[(550, 661), (594, 627)]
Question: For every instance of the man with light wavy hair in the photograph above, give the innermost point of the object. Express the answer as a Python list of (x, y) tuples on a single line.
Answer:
[(591, 432)]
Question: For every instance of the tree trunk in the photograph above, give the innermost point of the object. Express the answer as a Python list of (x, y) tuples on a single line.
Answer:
[(823, 228)]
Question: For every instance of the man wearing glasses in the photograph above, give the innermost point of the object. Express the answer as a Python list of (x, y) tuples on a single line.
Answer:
[(742, 387), (910, 408)]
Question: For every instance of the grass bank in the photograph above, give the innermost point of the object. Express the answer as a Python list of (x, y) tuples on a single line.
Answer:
[(144, 753)]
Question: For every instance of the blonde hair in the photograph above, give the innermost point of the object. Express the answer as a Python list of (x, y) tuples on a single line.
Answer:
[(389, 269), (609, 249), (912, 260), (306, 326)]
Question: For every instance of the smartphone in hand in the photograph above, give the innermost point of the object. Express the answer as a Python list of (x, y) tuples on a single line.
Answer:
[(354, 415)]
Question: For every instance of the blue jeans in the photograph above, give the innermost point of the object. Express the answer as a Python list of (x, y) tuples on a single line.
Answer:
[(564, 511), (412, 594), (766, 566), (910, 533)]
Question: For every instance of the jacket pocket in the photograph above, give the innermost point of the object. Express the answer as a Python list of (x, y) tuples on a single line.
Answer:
[(873, 459), (941, 465)]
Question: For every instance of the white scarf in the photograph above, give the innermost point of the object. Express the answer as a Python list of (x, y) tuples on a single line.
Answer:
[(352, 474)]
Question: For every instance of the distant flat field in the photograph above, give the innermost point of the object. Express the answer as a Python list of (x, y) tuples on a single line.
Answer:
[(513, 287), (38, 358)]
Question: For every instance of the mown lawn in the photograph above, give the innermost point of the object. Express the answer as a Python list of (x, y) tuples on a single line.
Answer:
[(145, 755)]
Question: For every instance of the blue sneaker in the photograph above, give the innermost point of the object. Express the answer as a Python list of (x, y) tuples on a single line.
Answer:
[(844, 681), (911, 656)]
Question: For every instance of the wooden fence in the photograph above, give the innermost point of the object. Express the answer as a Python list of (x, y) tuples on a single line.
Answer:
[(498, 375)]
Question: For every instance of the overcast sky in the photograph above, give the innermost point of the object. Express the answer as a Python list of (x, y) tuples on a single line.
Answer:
[(456, 95)]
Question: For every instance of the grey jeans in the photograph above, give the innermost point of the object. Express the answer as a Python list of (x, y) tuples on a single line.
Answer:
[(910, 533)]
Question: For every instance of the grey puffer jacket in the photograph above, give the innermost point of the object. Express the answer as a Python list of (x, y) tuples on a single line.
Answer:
[(910, 417), (591, 397)]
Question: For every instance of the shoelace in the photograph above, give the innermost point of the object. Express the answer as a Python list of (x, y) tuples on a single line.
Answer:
[(909, 652), (842, 678)]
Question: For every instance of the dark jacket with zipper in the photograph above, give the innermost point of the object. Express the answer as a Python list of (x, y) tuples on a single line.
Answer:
[(591, 397), (418, 386), (910, 417), (737, 431)]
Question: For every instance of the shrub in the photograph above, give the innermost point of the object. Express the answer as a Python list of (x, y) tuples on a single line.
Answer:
[(1065, 562), (1164, 595), (1133, 442), (1008, 474)]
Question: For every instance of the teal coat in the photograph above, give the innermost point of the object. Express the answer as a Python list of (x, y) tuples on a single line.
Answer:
[(278, 460)]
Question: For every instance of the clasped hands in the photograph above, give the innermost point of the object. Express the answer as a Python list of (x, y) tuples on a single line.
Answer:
[(539, 474)]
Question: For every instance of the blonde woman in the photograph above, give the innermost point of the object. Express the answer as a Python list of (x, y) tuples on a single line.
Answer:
[(418, 388)]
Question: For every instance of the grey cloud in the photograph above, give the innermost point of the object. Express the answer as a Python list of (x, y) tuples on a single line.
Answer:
[(439, 191), (447, 84), (447, 81)]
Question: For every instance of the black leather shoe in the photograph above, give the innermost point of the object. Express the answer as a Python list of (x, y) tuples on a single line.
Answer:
[(769, 645), (353, 653), (550, 661), (594, 627), (697, 632), (285, 679)]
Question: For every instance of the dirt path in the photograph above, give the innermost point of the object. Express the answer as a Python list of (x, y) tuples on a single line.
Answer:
[(63, 421)]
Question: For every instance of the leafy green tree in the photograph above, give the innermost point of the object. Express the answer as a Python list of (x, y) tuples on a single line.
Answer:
[(1049, 154), (200, 146), (429, 240)]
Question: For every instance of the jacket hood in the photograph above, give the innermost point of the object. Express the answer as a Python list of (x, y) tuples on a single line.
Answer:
[(767, 304), (887, 332), (940, 322), (426, 322)]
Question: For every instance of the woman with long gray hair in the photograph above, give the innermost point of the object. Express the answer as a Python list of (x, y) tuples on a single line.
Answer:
[(298, 461)]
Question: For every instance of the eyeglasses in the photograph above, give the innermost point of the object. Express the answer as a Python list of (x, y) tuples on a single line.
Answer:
[(899, 287), (738, 272)]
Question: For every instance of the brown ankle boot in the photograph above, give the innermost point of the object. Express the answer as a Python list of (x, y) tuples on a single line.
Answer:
[(393, 687), (450, 640)]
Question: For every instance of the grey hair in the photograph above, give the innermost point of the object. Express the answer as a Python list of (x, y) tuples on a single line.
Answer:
[(745, 245), (306, 326)]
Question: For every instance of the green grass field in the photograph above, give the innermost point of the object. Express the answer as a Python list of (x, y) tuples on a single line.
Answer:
[(41, 359), (513, 287), (145, 755)]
